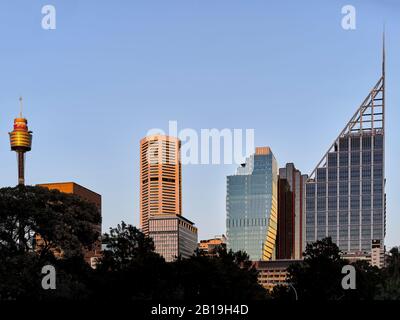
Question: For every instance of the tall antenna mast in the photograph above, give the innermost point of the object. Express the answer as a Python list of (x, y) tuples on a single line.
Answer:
[(20, 106), (383, 53)]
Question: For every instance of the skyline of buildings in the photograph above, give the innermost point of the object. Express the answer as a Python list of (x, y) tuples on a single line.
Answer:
[(344, 196)]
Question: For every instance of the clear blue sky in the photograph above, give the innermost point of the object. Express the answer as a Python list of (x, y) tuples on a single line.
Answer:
[(114, 69)]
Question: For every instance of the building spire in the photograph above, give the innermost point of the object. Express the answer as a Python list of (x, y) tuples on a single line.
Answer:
[(20, 106), (383, 52)]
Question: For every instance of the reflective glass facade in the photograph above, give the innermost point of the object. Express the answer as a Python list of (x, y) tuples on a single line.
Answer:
[(251, 205), (345, 194), (347, 201)]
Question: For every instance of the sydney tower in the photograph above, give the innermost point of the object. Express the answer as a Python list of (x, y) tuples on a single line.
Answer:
[(21, 142)]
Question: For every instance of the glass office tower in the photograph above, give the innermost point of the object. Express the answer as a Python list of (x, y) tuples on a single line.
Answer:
[(251, 205), (345, 194)]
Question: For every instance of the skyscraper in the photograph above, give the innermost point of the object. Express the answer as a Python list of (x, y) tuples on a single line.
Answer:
[(345, 193), (251, 205), (291, 185), (161, 198), (160, 178)]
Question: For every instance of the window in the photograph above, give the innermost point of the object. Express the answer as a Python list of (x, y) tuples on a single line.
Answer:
[(343, 202), (343, 144), (332, 174), (343, 188), (378, 186), (321, 203), (366, 186), (310, 189), (366, 143), (343, 173), (332, 189), (378, 142), (366, 158), (355, 158), (332, 159), (366, 172), (332, 203), (378, 200), (355, 173), (310, 204), (343, 158), (355, 217), (366, 202), (378, 157), (321, 174), (355, 187), (355, 143), (321, 190), (355, 202), (378, 172)]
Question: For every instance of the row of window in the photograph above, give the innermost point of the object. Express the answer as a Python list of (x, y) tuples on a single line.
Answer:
[(345, 202), (355, 187), (346, 173), (358, 142)]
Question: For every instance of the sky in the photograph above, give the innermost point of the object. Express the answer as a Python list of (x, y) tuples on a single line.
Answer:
[(112, 70)]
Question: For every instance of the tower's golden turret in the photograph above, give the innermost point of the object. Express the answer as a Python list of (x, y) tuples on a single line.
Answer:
[(20, 137), (21, 142)]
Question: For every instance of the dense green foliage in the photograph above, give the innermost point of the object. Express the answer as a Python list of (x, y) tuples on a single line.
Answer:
[(128, 270), (319, 276)]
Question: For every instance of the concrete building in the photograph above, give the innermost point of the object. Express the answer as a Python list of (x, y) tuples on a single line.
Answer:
[(92, 255), (291, 187), (160, 178), (209, 247), (252, 206), (173, 236), (273, 273)]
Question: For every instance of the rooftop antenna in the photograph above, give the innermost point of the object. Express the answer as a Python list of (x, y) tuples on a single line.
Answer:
[(383, 52), (20, 106)]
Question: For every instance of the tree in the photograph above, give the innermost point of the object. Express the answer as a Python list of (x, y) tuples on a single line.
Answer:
[(227, 275), (59, 221), (129, 268), (319, 276), (368, 279), (390, 286)]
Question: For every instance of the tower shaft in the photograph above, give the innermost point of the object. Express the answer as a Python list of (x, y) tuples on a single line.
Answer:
[(21, 167)]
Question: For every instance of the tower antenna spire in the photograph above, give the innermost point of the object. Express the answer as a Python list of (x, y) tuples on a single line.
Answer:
[(383, 52), (20, 107)]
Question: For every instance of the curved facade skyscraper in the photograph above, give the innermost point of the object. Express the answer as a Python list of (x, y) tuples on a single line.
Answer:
[(251, 205)]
